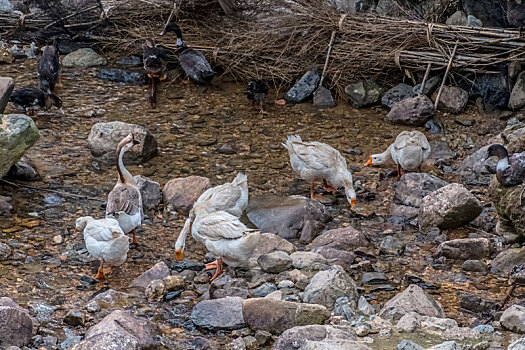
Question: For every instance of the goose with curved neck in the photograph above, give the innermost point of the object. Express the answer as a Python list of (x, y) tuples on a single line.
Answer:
[(510, 171), (125, 200)]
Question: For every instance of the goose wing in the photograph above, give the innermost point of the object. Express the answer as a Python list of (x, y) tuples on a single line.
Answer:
[(124, 198), (220, 225)]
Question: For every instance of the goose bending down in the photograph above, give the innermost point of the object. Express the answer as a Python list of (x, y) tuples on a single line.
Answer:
[(319, 161), (510, 171), (231, 197), (125, 200), (155, 64), (226, 237), (30, 99), (409, 151), (191, 60), (49, 68), (105, 240)]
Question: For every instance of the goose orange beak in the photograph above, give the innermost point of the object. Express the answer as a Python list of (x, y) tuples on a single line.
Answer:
[(352, 202), (369, 162), (77, 230), (178, 254)]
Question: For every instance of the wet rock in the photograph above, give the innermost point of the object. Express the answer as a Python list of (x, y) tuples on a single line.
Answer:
[(275, 262), (5, 252), (227, 149), (180, 266), (75, 318), (174, 283), (323, 98), (391, 246), (451, 206), (415, 111), (517, 96), (16, 326), (448, 345), (218, 314), (458, 18), (495, 90), (155, 291), (517, 345), (336, 256), (284, 216), (270, 242), (298, 337), (472, 303), (474, 266), (131, 60), (344, 307), (264, 289), (182, 193), (121, 76), (304, 87), (409, 322), (263, 337), (373, 278), (414, 299), (23, 170), (83, 58), (453, 99), (150, 192), (345, 238), (17, 134), (430, 86), (442, 153), (397, 94), (464, 248), (327, 286), (158, 272), (250, 342), (513, 319), (232, 291), (434, 126), (364, 308), (475, 170), (507, 259), (308, 260), (363, 93), (276, 316), (6, 88), (104, 138)]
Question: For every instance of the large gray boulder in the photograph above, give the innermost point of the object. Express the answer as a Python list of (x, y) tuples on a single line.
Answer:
[(328, 285), (149, 191), (225, 313), (413, 187), (301, 337), (16, 326), (285, 216), (411, 299), (414, 111), (453, 99), (464, 249), (517, 96), (6, 88), (451, 206), (513, 319), (159, 271), (104, 138), (276, 316), (475, 170), (17, 134), (183, 192), (397, 94), (83, 58)]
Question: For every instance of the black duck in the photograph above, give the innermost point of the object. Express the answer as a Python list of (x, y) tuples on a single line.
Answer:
[(30, 99), (49, 67), (155, 63)]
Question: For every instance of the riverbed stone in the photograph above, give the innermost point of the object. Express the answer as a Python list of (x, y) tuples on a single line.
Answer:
[(363, 93), (451, 206), (517, 96), (344, 238), (297, 337), (474, 266), (285, 216), (304, 88), (158, 272), (124, 323), (507, 259), (430, 86), (23, 170), (397, 94), (414, 299), (17, 134), (414, 111), (149, 191), (219, 314), (327, 286), (275, 262), (155, 291), (109, 341), (391, 246), (264, 289), (453, 99), (270, 242), (121, 76), (276, 316), (513, 319), (83, 58), (448, 345), (475, 170), (464, 248), (75, 318), (182, 193), (508, 203), (16, 326), (104, 138), (517, 345), (308, 260), (409, 322), (5, 251), (413, 187), (458, 18), (6, 88), (336, 256)]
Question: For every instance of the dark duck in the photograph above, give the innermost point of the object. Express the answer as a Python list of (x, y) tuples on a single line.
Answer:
[(191, 60), (256, 92), (510, 171), (49, 68), (30, 99), (516, 14), (155, 63)]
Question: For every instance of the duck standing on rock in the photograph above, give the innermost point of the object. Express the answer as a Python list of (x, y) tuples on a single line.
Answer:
[(155, 63), (516, 14), (509, 171), (319, 161), (49, 68), (409, 151), (125, 201), (104, 240), (256, 92), (231, 197), (30, 99), (191, 60)]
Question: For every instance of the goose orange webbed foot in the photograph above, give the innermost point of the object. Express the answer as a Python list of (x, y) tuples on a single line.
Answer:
[(219, 265), (328, 187)]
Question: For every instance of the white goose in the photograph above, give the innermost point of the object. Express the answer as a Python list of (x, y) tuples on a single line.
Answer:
[(319, 161), (105, 240), (231, 197), (409, 151), (125, 201)]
